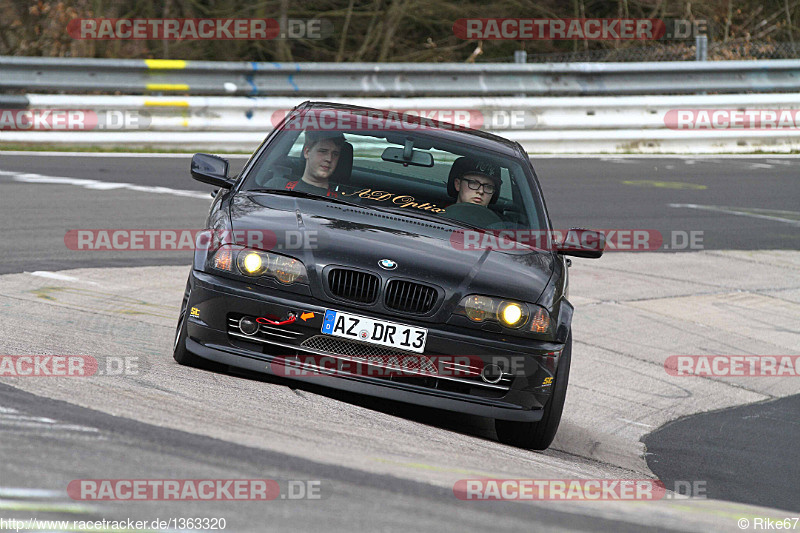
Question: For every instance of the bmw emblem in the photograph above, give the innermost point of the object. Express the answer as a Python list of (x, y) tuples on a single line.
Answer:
[(387, 264)]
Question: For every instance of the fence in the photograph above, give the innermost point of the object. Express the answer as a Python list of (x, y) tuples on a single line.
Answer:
[(541, 125), (77, 75)]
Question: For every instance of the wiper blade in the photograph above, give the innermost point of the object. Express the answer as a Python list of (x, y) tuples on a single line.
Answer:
[(394, 210), (302, 194), (427, 216)]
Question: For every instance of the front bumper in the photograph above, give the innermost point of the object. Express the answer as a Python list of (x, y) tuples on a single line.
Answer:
[(520, 395)]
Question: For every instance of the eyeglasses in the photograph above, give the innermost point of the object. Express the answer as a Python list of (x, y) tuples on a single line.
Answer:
[(475, 185)]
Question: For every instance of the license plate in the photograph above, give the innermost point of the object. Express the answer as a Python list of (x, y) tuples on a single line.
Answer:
[(380, 332)]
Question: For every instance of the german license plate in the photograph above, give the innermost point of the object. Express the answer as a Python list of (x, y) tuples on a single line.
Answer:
[(374, 331)]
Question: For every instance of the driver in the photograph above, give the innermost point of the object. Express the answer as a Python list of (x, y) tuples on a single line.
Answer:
[(321, 151)]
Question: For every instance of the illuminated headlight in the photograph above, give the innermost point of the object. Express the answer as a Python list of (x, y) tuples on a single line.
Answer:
[(256, 263), (480, 308), (511, 314), (253, 263)]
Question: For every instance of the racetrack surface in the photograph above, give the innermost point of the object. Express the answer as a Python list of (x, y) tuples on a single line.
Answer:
[(739, 203), (386, 463), (763, 449)]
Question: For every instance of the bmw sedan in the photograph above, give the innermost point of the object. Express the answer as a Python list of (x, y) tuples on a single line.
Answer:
[(390, 255)]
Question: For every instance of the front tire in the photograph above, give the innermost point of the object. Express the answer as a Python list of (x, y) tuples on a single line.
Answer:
[(179, 352), (539, 435)]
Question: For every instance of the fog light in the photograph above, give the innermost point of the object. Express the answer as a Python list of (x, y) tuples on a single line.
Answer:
[(491, 374), (248, 326)]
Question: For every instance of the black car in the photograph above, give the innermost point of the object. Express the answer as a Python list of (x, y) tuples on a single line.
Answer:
[(390, 255)]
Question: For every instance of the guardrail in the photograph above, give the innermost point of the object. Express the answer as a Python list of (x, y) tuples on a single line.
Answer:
[(133, 76), (636, 124)]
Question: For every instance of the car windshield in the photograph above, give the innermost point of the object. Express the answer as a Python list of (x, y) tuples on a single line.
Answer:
[(408, 170)]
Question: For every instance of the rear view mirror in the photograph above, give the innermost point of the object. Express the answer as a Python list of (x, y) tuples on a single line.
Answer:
[(583, 243), (409, 157), (211, 169)]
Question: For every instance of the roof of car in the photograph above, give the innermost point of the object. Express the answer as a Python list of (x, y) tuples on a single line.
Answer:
[(446, 130)]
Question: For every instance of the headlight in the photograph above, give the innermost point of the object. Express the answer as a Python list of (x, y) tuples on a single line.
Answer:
[(511, 314), (256, 263), (252, 263), (479, 308), (287, 269)]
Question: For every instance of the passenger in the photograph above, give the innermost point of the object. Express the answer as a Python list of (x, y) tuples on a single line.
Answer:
[(474, 184), (321, 151), (476, 188)]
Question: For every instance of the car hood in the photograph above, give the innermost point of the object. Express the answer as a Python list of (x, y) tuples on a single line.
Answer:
[(323, 233)]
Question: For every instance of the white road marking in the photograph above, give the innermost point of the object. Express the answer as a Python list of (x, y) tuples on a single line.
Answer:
[(101, 185), (734, 211), (11, 420), (617, 160), (150, 155), (26, 418), (44, 507), (12, 425), (61, 277), (17, 492), (172, 155), (635, 423)]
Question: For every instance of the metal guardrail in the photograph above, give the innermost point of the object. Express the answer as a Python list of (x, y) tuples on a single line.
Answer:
[(635, 124), (133, 76)]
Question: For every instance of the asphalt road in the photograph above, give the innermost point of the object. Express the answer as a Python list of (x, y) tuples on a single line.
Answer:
[(738, 203), (77, 443), (744, 204), (752, 447)]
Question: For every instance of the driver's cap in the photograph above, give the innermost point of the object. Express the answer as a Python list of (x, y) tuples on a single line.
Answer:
[(469, 165)]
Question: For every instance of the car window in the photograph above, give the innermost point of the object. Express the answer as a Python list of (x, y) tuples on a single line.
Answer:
[(422, 189)]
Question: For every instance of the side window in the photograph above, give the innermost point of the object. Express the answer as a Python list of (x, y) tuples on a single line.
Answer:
[(505, 188), (297, 148)]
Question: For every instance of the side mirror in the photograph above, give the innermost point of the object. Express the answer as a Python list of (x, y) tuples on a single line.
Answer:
[(211, 169), (583, 243)]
